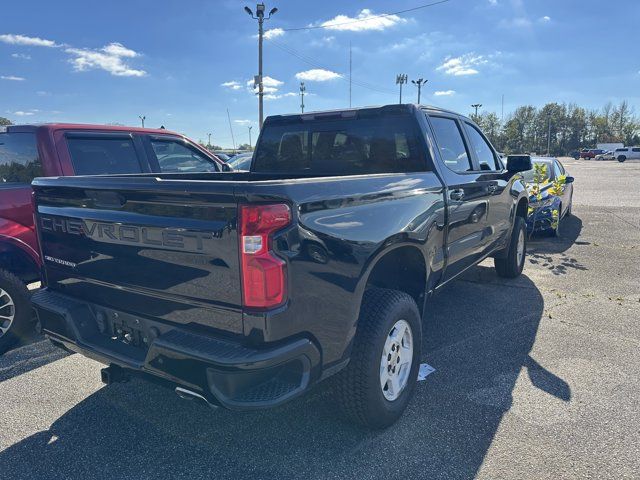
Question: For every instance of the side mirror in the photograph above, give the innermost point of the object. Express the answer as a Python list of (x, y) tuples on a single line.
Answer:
[(519, 163), (568, 179), (226, 168)]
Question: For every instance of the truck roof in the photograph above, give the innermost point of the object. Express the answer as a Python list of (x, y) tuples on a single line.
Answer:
[(353, 111), (32, 127)]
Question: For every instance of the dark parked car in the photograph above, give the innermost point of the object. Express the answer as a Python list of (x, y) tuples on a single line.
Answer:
[(245, 288), (541, 217), (590, 153), (28, 151)]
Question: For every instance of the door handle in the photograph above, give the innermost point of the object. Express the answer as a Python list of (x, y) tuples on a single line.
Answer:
[(457, 194)]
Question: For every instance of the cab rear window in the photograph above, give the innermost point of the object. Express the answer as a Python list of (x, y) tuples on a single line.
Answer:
[(19, 160), (103, 156), (341, 146)]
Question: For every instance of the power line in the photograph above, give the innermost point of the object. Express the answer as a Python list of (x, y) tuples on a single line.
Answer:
[(310, 61), (399, 12)]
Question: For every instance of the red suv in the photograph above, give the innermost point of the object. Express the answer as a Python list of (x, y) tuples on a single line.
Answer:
[(28, 151)]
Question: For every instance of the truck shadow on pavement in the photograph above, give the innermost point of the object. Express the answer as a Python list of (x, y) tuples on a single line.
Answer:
[(478, 334)]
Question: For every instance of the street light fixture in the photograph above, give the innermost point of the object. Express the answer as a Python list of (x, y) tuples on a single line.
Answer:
[(401, 79), (250, 127), (260, 9), (142, 119), (302, 90), (418, 83), (476, 106)]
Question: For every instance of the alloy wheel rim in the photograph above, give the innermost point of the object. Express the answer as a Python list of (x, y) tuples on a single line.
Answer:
[(520, 249), (396, 360), (7, 312)]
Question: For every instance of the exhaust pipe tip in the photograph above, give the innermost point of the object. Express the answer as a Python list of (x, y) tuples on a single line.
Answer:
[(186, 394)]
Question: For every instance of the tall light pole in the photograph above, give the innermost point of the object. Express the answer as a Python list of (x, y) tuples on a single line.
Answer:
[(257, 80), (418, 83), (549, 135), (401, 79), (302, 90), (209, 141), (476, 106), (250, 127), (142, 119)]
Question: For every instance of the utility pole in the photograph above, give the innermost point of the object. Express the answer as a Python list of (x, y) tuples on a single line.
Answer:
[(302, 90), (142, 119), (250, 127), (401, 79), (476, 106), (350, 62), (418, 83), (502, 110), (549, 135), (209, 141), (257, 80)]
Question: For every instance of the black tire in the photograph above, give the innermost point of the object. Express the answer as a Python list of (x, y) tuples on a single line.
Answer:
[(508, 266), (19, 295), (622, 158), (358, 387)]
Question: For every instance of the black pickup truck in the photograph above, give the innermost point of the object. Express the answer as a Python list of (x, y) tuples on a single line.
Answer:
[(245, 289)]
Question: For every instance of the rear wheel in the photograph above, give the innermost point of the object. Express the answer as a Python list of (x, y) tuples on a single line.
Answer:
[(377, 384), (15, 310), (622, 158), (512, 264)]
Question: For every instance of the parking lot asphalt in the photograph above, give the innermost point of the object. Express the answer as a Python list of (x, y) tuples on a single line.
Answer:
[(535, 378)]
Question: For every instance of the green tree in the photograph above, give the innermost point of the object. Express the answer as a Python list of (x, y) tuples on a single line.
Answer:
[(4, 122)]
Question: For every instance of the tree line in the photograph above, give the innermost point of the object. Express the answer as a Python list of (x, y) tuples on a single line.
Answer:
[(563, 128)]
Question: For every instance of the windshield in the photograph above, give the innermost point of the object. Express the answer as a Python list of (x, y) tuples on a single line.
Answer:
[(529, 175)]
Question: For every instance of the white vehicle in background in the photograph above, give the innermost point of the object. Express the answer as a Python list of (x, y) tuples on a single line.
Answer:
[(610, 146), (627, 153), (609, 155)]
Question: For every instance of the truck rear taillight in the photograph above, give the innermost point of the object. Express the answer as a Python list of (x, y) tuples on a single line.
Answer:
[(264, 280)]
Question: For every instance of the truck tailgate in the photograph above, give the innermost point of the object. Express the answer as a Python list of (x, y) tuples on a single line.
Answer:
[(167, 249)]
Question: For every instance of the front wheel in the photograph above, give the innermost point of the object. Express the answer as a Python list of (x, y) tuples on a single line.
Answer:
[(377, 384), (512, 264), (15, 311), (622, 158)]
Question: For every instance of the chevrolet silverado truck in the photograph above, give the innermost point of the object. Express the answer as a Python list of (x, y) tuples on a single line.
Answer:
[(245, 289), (29, 151)]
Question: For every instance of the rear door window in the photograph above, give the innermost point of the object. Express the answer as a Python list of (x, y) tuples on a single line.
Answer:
[(451, 144), (19, 160), (102, 155), (176, 157), (341, 146)]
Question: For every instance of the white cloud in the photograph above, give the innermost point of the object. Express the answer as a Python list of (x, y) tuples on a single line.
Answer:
[(493, 3), (27, 41), (12, 78), (23, 56), (244, 123), (324, 42), (317, 75), (545, 19), (23, 113), (233, 85), (463, 65), (109, 58), (444, 93), (42, 93), (273, 33), (365, 20)]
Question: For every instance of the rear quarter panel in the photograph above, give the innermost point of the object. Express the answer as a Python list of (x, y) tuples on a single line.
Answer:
[(342, 227)]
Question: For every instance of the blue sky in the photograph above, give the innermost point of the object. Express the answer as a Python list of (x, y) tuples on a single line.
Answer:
[(183, 63)]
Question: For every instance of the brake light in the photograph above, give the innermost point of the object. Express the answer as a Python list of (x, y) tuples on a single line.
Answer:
[(264, 281)]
